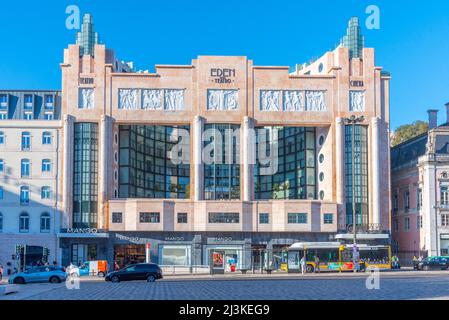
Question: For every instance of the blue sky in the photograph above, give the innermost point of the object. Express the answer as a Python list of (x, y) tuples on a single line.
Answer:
[(412, 43)]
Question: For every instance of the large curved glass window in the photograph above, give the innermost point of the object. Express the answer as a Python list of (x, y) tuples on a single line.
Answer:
[(222, 170), (359, 161), (85, 176), (293, 176), (147, 170)]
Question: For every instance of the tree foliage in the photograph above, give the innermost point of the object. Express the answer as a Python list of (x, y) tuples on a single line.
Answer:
[(409, 131)]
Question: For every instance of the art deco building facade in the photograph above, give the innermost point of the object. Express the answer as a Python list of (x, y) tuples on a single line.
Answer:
[(123, 190)]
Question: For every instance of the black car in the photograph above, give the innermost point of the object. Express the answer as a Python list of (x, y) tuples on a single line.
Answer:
[(434, 263), (143, 271)]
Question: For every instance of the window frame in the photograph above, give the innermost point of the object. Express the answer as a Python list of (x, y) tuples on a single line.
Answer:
[(149, 217), (46, 218), (182, 218), (115, 215), (262, 217), (326, 221), (24, 221), (297, 218)]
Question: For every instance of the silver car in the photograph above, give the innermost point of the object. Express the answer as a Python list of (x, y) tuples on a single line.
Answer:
[(39, 274)]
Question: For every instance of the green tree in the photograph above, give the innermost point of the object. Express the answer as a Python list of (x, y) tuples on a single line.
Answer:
[(409, 131)]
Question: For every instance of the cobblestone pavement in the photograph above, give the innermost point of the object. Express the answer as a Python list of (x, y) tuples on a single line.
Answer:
[(419, 286)]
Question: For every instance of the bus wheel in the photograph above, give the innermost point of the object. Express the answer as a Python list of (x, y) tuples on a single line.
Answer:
[(310, 269)]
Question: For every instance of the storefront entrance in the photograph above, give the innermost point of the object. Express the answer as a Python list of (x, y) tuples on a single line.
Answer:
[(129, 254)]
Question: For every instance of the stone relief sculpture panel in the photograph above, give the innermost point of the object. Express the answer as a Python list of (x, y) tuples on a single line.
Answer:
[(86, 98), (293, 101), (357, 101), (128, 99), (315, 101), (270, 100), (152, 99), (174, 100), (222, 100)]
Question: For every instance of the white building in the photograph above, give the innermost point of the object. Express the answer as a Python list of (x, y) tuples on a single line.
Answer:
[(30, 136)]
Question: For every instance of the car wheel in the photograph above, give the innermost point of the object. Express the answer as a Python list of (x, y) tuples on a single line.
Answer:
[(19, 280), (55, 280), (115, 279), (310, 269), (101, 274), (151, 278)]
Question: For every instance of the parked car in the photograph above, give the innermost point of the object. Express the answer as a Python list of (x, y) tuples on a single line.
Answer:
[(50, 274), (93, 268), (434, 263), (143, 271)]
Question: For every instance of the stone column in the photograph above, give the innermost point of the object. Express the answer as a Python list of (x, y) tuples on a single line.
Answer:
[(197, 158), (67, 178), (248, 143), (375, 160), (104, 164), (340, 167)]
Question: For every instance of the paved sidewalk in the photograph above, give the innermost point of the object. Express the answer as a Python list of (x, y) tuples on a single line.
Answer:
[(406, 273)]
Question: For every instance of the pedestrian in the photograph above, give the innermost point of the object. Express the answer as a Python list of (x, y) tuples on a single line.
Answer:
[(116, 266), (1, 272), (415, 263), (303, 263), (317, 264)]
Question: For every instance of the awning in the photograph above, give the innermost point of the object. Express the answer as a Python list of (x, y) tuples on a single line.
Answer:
[(363, 236), (83, 235)]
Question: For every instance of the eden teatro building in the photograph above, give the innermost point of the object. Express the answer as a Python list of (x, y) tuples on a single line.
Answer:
[(221, 154)]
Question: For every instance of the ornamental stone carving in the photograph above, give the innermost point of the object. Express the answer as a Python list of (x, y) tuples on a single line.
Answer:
[(152, 99), (128, 99), (86, 98), (315, 101), (293, 101), (357, 101), (270, 100), (174, 100), (222, 100)]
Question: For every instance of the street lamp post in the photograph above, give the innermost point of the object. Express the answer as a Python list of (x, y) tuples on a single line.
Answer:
[(353, 120)]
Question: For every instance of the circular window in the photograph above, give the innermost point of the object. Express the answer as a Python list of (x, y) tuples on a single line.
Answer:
[(322, 195), (320, 68), (321, 177), (321, 158), (321, 140)]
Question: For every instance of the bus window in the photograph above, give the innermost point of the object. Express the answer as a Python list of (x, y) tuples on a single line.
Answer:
[(328, 255)]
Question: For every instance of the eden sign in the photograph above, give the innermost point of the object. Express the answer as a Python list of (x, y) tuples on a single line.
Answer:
[(222, 76)]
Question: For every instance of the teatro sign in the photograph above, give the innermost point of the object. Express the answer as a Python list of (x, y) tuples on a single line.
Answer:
[(222, 76)]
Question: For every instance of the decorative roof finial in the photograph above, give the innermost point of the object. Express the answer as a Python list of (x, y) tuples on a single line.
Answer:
[(87, 38), (354, 40)]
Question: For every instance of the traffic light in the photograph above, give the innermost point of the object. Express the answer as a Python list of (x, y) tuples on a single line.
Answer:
[(20, 249)]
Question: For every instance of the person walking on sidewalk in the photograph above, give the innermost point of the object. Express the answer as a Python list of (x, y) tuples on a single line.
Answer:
[(1, 273), (303, 264), (317, 264)]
